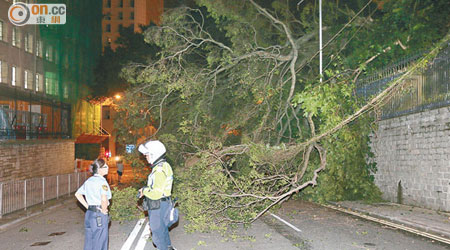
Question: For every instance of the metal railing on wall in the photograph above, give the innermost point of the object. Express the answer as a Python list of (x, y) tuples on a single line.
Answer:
[(428, 89), (22, 194)]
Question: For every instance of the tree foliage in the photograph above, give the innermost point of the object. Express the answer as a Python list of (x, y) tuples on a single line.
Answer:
[(235, 93)]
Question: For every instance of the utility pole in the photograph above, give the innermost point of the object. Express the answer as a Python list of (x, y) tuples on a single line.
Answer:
[(320, 39)]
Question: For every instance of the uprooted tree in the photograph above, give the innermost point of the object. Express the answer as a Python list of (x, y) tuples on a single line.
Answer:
[(236, 94)]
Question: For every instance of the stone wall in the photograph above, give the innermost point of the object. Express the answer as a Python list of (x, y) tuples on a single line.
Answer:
[(27, 159), (415, 149)]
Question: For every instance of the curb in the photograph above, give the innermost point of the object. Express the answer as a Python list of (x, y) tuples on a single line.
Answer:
[(16, 221), (392, 222)]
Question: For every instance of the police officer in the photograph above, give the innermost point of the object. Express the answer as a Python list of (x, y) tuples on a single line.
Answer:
[(157, 192), (96, 220)]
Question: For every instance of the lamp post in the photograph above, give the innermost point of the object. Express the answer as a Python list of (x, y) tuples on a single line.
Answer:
[(320, 39)]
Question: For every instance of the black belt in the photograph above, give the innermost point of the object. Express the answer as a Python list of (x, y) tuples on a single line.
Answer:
[(95, 208), (165, 199)]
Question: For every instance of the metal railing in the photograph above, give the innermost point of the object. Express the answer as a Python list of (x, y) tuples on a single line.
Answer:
[(424, 90), (21, 194), (17, 124)]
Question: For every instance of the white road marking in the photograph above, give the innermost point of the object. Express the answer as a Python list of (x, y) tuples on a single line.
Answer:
[(287, 223), (133, 234), (143, 239)]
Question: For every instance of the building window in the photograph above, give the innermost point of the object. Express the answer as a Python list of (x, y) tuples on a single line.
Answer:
[(25, 79), (120, 3), (3, 72), (38, 48), (1, 30), (13, 76), (28, 43), (108, 4), (108, 28), (49, 53), (120, 27), (108, 16), (15, 37), (131, 3), (66, 91), (120, 15), (132, 15), (36, 84), (39, 85), (51, 84)]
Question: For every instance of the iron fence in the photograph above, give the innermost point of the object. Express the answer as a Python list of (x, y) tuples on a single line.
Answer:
[(21, 194), (427, 89)]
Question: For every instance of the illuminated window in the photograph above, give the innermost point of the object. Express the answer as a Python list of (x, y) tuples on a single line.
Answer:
[(1, 30), (25, 79), (51, 84), (13, 76), (49, 53), (66, 91), (15, 37), (38, 48), (28, 43), (37, 82), (39, 85)]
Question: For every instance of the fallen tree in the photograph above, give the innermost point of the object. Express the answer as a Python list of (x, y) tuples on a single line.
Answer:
[(235, 92)]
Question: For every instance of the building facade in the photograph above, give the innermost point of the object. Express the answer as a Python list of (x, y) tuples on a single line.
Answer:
[(124, 13), (44, 71)]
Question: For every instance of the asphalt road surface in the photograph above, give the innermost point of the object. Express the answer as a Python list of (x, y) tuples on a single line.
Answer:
[(298, 225)]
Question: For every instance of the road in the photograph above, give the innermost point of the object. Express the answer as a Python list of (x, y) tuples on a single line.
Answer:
[(321, 228)]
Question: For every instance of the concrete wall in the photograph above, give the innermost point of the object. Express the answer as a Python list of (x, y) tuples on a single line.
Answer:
[(28, 159), (415, 149)]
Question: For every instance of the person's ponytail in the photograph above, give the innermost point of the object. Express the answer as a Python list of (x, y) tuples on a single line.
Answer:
[(96, 165)]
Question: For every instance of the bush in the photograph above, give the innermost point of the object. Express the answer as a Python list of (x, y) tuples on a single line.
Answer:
[(124, 204)]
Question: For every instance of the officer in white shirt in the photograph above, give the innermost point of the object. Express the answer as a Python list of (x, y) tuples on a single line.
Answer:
[(94, 195)]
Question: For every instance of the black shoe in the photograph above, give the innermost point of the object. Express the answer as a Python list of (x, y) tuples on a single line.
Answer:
[(172, 248)]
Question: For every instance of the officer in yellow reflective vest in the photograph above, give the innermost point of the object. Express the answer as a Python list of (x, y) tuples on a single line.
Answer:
[(157, 192)]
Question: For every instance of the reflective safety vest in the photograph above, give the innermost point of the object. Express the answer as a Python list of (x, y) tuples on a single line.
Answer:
[(159, 183)]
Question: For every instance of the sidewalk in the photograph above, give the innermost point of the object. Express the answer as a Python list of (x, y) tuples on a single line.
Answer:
[(22, 215), (429, 222)]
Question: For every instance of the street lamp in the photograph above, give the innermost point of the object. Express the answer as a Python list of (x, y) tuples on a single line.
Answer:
[(117, 96)]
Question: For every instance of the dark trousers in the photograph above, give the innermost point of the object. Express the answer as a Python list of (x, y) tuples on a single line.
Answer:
[(95, 237), (160, 231)]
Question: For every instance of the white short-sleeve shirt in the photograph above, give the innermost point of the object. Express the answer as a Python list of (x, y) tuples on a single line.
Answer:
[(93, 188)]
